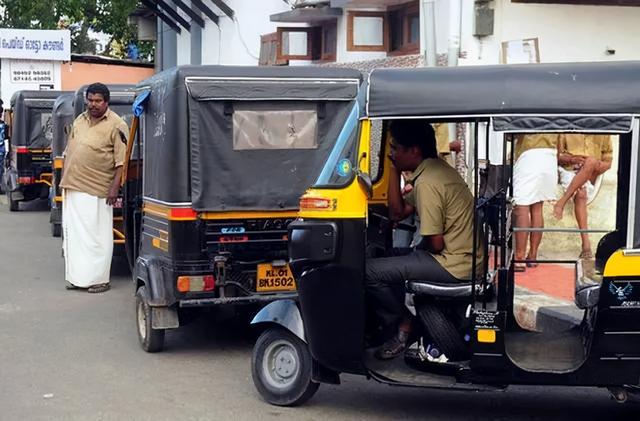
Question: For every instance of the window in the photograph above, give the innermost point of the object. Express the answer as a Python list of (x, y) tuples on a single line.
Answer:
[(404, 29), (269, 51), (313, 43), (367, 31), (294, 43), (275, 126)]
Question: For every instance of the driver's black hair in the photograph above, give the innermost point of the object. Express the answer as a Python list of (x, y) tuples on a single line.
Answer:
[(415, 132), (99, 88)]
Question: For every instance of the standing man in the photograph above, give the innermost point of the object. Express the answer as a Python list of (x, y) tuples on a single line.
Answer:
[(91, 180), (445, 205), (582, 159)]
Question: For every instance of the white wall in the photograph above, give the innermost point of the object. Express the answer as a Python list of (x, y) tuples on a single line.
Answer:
[(225, 44), (566, 33), (8, 87), (183, 41)]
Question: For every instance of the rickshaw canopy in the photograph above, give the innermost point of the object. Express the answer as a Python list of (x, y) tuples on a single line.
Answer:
[(31, 119), (201, 126), (589, 96), (63, 116)]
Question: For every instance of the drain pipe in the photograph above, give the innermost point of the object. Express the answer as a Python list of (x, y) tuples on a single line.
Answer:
[(428, 32)]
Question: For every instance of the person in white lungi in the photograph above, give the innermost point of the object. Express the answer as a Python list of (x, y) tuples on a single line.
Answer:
[(91, 180), (583, 158), (535, 175)]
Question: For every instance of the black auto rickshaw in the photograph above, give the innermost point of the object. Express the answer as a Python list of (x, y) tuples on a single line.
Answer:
[(28, 174), (121, 98), (343, 220), (227, 153), (62, 118)]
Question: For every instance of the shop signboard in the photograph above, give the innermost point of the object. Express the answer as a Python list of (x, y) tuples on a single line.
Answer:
[(35, 44)]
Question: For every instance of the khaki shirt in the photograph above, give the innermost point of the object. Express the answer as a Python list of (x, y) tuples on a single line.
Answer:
[(597, 146), (442, 142), (93, 153), (525, 142), (445, 206)]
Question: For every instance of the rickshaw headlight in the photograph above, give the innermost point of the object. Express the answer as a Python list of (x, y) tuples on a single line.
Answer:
[(315, 203), (196, 283)]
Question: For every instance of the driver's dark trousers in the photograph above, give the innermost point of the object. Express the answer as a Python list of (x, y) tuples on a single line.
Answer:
[(385, 282)]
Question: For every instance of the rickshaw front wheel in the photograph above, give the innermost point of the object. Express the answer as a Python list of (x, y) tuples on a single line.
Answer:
[(151, 340), (281, 368)]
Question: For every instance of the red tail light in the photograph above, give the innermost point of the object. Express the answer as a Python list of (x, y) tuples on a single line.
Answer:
[(22, 149), (200, 283)]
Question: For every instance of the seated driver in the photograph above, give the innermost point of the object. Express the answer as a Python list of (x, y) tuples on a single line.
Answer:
[(442, 200)]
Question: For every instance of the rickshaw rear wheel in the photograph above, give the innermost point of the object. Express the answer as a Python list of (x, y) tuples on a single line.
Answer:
[(151, 340), (14, 205), (281, 368), (56, 230)]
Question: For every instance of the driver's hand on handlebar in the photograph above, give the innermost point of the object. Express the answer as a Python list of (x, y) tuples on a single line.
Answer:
[(407, 189)]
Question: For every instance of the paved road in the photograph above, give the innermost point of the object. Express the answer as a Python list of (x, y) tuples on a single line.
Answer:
[(70, 355)]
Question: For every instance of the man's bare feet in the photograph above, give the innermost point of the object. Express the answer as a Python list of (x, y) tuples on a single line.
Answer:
[(558, 210)]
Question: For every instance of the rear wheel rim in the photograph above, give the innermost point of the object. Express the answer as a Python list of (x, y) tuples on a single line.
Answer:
[(142, 321), (280, 365)]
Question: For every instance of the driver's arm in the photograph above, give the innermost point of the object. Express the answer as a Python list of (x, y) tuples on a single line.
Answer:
[(433, 243), (399, 209), (431, 208)]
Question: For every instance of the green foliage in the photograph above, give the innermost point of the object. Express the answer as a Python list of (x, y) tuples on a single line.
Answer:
[(79, 16)]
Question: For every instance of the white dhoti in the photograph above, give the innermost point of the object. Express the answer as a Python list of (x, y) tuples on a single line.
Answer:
[(535, 176), (87, 224), (567, 176)]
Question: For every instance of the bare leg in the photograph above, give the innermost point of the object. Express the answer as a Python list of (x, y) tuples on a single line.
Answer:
[(589, 171), (580, 202), (537, 221), (522, 220)]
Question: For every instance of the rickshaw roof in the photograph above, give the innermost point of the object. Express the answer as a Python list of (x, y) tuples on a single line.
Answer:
[(603, 88), (63, 105), (35, 99), (213, 82)]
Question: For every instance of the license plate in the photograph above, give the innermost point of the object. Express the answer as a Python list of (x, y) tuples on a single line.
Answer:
[(274, 278)]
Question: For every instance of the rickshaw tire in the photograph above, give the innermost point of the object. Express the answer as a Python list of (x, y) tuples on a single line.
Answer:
[(153, 339), (443, 331), (56, 230), (302, 389), (14, 205)]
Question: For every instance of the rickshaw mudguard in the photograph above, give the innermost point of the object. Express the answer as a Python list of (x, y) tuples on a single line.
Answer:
[(148, 270), (284, 313)]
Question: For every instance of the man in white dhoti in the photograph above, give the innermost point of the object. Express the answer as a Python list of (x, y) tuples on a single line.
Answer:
[(534, 182), (91, 180)]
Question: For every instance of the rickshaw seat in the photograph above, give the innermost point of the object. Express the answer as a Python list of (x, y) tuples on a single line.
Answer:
[(451, 290), (588, 283)]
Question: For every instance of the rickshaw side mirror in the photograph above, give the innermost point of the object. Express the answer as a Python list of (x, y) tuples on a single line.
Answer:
[(365, 182)]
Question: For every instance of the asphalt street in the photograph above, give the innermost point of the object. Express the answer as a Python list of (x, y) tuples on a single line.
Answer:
[(69, 355)]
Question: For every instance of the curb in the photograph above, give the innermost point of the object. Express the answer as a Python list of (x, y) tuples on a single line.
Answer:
[(544, 313)]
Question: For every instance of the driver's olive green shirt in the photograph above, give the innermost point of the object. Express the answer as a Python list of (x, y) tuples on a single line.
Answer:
[(445, 206), (93, 153)]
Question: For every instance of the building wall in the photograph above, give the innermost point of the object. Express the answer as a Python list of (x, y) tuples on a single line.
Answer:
[(76, 74), (8, 87), (223, 44), (566, 33)]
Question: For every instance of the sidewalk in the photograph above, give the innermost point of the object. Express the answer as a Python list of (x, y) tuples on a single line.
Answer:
[(544, 298)]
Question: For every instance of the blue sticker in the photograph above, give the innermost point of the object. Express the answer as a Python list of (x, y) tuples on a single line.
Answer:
[(621, 293), (232, 230), (343, 168)]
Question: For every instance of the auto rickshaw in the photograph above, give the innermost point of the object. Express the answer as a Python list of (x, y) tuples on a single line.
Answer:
[(343, 218), (227, 153), (28, 175), (62, 118), (121, 98)]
